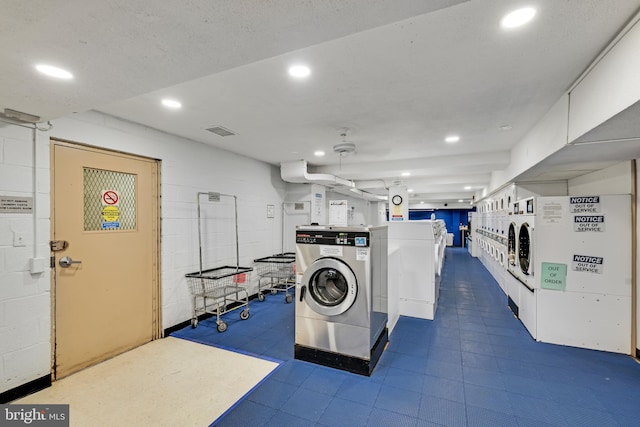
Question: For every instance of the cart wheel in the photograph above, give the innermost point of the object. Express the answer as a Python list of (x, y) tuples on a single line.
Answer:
[(244, 314), (261, 297), (194, 322), (288, 298), (222, 327), (274, 291)]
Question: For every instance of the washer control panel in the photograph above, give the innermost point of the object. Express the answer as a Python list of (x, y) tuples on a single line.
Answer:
[(333, 237)]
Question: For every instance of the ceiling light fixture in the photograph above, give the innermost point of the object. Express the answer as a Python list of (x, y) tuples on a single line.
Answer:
[(505, 128), (406, 173), (460, 200), (518, 17), (468, 187), (451, 139), (410, 190), (318, 153), (56, 72), (299, 71), (171, 103)]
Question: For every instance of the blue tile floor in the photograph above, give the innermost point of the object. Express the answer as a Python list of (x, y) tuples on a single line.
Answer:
[(474, 365)]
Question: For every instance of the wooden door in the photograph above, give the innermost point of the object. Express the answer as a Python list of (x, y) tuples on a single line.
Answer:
[(105, 206)]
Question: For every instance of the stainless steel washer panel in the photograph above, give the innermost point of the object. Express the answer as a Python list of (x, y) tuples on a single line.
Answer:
[(351, 326)]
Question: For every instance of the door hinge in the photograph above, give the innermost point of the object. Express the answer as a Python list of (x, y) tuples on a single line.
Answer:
[(52, 263), (58, 245)]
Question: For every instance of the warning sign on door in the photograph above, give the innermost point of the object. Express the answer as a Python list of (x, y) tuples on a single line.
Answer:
[(110, 198), (110, 210), (110, 213)]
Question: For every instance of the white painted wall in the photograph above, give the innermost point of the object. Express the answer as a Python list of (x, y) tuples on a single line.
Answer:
[(25, 313), (187, 167), (608, 88), (545, 138), (637, 261), (616, 179)]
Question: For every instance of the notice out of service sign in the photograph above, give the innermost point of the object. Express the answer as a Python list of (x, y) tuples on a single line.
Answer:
[(583, 223), (585, 204), (587, 264)]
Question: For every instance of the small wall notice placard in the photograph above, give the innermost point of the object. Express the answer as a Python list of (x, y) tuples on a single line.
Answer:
[(12, 204), (338, 213), (585, 204), (587, 264), (553, 276), (588, 223)]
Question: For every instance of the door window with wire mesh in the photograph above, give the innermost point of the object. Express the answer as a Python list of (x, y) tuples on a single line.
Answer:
[(109, 200)]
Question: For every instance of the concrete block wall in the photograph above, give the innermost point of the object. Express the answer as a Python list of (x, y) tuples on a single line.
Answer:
[(25, 301), (187, 167)]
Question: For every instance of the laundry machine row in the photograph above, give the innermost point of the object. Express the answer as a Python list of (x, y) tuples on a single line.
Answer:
[(341, 296)]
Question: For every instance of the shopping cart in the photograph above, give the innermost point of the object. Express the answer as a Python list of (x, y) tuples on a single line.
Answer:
[(219, 291), (276, 273)]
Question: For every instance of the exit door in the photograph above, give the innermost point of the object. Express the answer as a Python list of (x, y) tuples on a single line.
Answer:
[(105, 248)]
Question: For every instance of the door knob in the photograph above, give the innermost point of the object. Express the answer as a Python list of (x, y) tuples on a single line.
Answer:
[(66, 262)]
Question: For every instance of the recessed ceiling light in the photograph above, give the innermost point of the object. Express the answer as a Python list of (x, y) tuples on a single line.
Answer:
[(406, 173), (299, 71), (318, 153), (518, 17), (410, 190), (452, 138), (460, 200), (171, 103), (422, 203), (56, 72), (468, 187)]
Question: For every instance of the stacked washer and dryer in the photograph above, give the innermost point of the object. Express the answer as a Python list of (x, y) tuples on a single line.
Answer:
[(341, 296)]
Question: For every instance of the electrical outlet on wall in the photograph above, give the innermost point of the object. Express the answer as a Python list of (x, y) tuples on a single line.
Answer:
[(19, 239)]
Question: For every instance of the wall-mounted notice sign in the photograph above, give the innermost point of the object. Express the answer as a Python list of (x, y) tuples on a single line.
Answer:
[(554, 276), (584, 204), (588, 223), (552, 212), (12, 204), (587, 264), (338, 214)]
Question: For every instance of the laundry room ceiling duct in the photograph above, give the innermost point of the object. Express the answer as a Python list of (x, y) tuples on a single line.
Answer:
[(296, 172)]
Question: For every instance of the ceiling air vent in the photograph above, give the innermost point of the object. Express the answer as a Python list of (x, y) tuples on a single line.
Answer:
[(221, 131)]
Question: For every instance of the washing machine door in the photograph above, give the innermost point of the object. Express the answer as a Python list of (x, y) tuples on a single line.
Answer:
[(329, 287), (511, 244), (524, 248)]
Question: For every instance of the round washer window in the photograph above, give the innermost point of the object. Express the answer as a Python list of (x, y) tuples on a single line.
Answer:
[(328, 287), (331, 286)]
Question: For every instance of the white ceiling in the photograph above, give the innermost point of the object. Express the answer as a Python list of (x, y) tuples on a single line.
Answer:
[(400, 75)]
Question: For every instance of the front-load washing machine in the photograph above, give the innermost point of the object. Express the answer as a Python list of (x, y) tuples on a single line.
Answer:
[(341, 296), (520, 242)]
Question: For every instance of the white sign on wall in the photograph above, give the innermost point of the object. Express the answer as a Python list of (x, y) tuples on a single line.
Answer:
[(587, 264), (584, 204), (582, 223), (12, 204), (338, 213)]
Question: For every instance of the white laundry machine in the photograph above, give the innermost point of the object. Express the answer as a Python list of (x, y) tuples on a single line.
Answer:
[(521, 250), (341, 296)]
